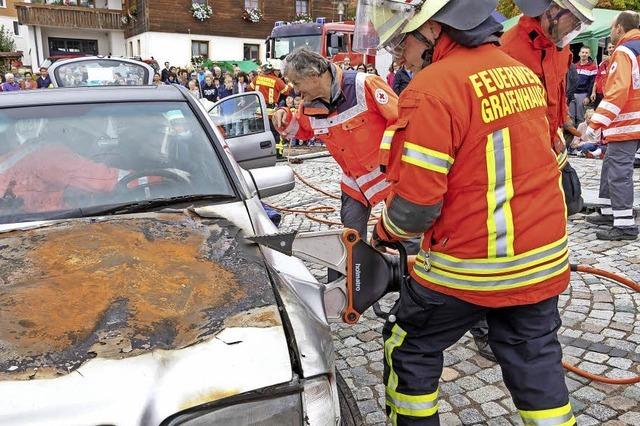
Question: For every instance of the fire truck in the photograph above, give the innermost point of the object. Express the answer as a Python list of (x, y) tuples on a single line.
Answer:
[(331, 39)]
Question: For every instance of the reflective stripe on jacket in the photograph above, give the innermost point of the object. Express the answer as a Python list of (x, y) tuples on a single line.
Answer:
[(352, 132), (271, 88), (526, 43), (619, 112), (474, 137)]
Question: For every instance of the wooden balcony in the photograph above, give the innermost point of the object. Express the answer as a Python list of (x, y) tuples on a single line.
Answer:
[(50, 15)]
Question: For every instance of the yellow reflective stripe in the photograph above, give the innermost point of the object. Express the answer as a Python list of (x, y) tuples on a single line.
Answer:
[(399, 403), (500, 265), (499, 194), (561, 416), (394, 341), (387, 138), (562, 159), (413, 405), (393, 229), (498, 282), (426, 158)]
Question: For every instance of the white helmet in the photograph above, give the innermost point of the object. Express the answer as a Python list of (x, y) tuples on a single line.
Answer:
[(383, 23), (562, 31)]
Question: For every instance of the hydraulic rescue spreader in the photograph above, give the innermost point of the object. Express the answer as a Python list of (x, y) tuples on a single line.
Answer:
[(368, 275)]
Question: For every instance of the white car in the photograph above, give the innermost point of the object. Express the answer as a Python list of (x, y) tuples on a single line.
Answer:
[(128, 293)]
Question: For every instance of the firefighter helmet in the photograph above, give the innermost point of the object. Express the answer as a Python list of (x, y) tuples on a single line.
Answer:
[(382, 23)]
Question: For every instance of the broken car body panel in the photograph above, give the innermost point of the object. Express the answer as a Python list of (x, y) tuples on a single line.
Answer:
[(141, 294)]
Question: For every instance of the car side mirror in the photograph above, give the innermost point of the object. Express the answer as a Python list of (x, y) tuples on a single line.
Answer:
[(270, 181)]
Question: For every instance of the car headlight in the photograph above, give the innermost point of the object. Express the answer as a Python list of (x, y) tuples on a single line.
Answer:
[(321, 404), (284, 410), (316, 405)]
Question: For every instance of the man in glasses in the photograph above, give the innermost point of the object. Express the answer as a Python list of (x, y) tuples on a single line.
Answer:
[(463, 178)]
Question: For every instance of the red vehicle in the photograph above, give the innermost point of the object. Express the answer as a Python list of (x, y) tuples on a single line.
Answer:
[(332, 40)]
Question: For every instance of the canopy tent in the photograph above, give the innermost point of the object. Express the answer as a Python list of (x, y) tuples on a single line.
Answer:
[(244, 66), (601, 28)]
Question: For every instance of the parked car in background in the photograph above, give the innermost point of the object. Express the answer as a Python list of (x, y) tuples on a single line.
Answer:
[(129, 294)]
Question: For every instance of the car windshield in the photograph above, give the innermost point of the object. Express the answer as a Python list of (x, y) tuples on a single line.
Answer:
[(285, 45), (79, 157), (101, 72)]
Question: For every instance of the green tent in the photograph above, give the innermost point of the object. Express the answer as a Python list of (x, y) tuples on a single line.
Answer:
[(598, 30), (244, 66)]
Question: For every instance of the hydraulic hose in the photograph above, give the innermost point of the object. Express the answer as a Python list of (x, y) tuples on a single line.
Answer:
[(625, 282)]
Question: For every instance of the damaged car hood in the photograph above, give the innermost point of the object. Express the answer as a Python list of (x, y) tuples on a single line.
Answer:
[(129, 319)]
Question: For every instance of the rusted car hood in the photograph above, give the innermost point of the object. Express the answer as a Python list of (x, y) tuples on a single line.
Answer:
[(102, 308)]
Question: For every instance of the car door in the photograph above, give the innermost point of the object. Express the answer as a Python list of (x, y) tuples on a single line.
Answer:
[(244, 122)]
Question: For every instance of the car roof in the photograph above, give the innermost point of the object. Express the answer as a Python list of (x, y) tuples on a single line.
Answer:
[(67, 95)]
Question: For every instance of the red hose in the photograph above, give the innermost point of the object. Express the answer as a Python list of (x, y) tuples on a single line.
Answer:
[(627, 283)]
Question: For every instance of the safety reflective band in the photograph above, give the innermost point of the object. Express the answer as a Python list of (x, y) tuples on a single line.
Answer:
[(622, 218), (615, 110), (399, 403), (502, 265), (562, 416), (499, 194), (387, 138), (393, 229), (491, 282), (562, 159), (426, 158)]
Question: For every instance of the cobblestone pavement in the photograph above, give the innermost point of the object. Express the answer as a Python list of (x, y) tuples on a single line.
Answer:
[(600, 333)]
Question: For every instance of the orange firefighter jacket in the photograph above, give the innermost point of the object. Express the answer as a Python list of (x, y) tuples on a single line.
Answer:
[(619, 112), (473, 138), (365, 106), (271, 88), (526, 43)]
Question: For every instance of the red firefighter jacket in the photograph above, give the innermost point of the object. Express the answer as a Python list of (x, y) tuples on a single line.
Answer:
[(526, 43), (473, 138), (352, 132)]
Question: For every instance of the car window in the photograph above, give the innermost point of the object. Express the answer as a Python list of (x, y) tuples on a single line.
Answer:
[(78, 156), (101, 72), (239, 116)]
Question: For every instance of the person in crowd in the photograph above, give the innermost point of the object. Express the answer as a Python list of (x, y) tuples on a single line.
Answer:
[(43, 80), (165, 71), (209, 89), (361, 68), (587, 148), (617, 117), (372, 70), (217, 73), (194, 89), (227, 88), (601, 79), (201, 75), (401, 80), (251, 77), (240, 86), (587, 71), (346, 64), (393, 68), (10, 84), (28, 83), (157, 79), (236, 70), (172, 79)]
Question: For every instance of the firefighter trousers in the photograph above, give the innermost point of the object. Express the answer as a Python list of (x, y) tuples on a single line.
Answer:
[(523, 338), (616, 183)]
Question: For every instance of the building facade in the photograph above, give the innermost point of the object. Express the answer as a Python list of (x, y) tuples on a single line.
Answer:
[(168, 31), (9, 20), (67, 28)]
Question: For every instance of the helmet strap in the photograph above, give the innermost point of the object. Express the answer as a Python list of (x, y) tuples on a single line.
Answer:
[(427, 54)]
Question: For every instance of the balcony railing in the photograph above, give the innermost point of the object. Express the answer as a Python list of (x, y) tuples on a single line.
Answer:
[(51, 15)]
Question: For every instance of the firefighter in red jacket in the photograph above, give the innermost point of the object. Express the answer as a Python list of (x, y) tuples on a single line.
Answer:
[(540, 41), (463, 178), (272, 88), (349, 112)]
